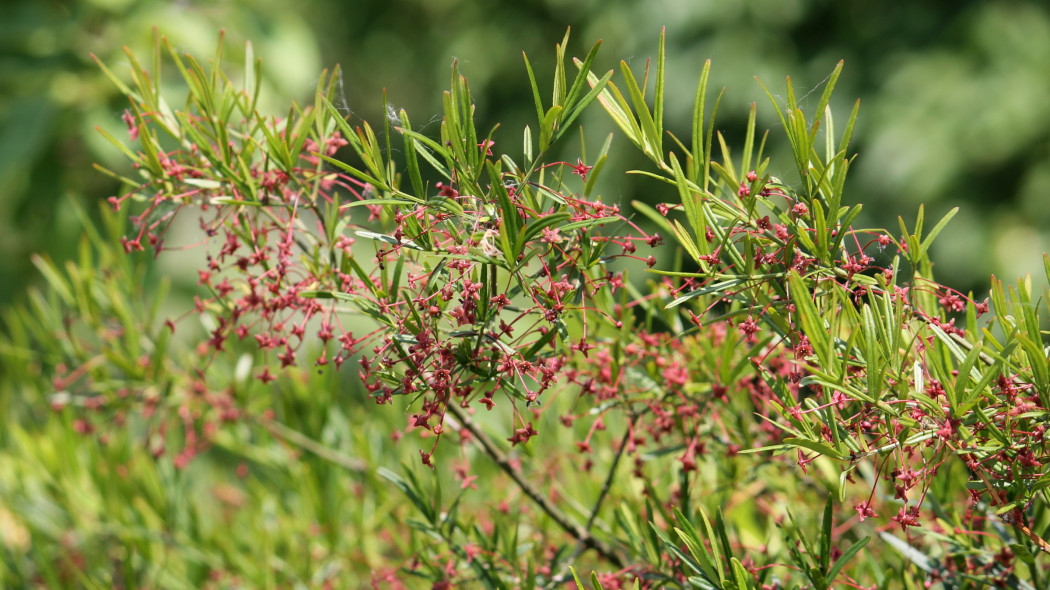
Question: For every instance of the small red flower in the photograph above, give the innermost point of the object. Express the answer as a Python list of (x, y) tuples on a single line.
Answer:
[(907, 518), (865, 510), (749, 328), (580, 169), (550, 236)]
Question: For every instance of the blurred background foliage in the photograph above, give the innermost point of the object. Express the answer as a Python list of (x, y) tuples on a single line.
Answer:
[(954, 94)]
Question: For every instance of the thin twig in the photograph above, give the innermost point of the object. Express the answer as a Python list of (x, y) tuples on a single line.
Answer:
[(579, 533), (563, 575), (612, 472)]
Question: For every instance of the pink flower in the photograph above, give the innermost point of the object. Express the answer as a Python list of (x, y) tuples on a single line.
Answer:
[(580, 169), (865, 510), (550, 236)]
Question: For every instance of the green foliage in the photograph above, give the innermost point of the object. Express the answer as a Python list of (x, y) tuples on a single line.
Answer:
[(52, 95), (493, 301)]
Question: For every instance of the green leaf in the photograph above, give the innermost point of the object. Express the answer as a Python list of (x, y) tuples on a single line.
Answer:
[(614, 103), (700, 156), (936, 230), (709, 141), (569, 116), (686, 241), (749, 143), (811, 321), (825, 97), (576, 578), (599, 164), (743, 578), (425, 146), (315, 294), (870, 333), (652, 140), (548, 125), (707, 561), (588, 223), (728, 171), (583, 68), (411, 159), (54, 278), (527, 144), (966, 402), (847, 134), (815, 446), (508, 211), (693, 210), (410, 489), (658, 99), (535, 88), (717, 557), (559, 70), (1037, 359), (907, 551), (1046, 265), (825, 537), (533, 229), (846, 556), (719, 287), (388, 239)]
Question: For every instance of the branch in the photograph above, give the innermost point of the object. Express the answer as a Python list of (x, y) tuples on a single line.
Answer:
[(582, 535), (563, 576)]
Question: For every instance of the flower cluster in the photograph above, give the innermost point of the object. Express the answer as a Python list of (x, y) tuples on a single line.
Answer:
[(476, 293)]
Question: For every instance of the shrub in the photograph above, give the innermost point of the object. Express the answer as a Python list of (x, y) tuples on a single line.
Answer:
[(665, 388)]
